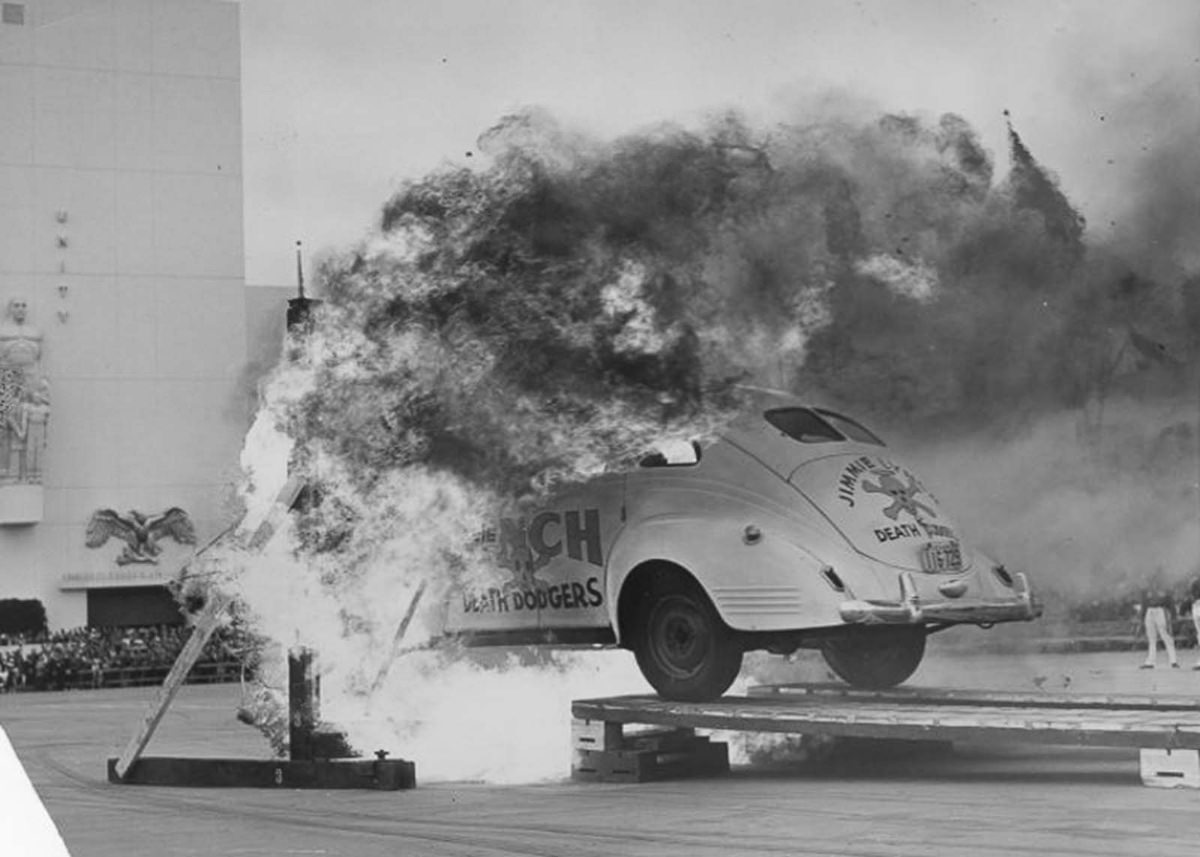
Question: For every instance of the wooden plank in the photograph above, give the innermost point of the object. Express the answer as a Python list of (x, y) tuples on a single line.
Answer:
[(203, 549), (380, 774), (284, 501), (206, 623), (401, 630), (1091, 726), (203, 629), (701, 758), (596, 735), (956, 696), (668, 740), (1171, 769)]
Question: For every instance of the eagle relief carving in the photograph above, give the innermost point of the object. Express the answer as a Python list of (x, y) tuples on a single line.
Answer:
[(140, 533)]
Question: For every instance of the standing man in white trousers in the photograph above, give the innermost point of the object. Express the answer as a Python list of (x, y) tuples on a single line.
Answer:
[(1158, 615), (1195, 593)]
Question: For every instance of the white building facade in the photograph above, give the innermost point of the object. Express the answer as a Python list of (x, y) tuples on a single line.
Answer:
[(121, 230)]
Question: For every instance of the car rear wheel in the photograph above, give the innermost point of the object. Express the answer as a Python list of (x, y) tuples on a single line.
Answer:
[(876, 657), (682, 647)]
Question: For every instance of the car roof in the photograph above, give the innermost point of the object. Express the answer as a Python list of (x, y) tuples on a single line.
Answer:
[(755, 431), (762, 398)]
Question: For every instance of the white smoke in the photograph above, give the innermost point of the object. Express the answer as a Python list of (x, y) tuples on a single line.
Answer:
[(1087, 512), (483, 715), (913, 279), (501, 722)]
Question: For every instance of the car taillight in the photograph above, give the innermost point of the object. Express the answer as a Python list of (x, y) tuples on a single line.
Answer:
[(1002, 573)]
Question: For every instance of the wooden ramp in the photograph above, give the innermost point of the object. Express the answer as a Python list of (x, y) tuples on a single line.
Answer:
[(1166, 730), (313, 763)]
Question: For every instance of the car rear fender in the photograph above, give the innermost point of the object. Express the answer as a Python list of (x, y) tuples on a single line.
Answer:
[(756, 579)]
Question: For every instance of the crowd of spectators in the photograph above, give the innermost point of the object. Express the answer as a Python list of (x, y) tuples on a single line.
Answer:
[(99, 657)]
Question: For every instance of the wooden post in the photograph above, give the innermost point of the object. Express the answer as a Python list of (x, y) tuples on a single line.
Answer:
[(303, 704)]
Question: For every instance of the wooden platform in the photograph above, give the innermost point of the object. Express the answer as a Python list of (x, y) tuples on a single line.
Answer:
[(605, 753), (958, 696), (933, 715)]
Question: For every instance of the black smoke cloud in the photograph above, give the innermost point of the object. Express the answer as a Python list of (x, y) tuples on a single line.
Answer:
[(543, 318)]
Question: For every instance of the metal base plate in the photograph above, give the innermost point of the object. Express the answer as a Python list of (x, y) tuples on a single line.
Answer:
[(379, 774)]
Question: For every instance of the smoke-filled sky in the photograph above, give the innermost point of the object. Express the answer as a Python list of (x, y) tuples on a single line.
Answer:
[(342, 101)]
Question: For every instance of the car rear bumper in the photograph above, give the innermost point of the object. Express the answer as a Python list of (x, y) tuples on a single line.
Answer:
[(909, 610)]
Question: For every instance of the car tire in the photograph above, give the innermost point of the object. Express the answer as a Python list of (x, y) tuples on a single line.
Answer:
[(876, 658), (682, 646)]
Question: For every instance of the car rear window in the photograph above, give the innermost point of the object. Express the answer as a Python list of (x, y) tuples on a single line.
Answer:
[(803, 425), (673, 454), (851, 429)]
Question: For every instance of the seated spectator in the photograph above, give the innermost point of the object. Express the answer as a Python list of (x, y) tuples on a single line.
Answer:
[(89, 657)]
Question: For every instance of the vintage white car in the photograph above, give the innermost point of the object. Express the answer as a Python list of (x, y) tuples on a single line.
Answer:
[(797, 529)]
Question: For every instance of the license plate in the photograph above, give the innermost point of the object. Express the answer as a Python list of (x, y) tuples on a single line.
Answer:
[(941, 557)]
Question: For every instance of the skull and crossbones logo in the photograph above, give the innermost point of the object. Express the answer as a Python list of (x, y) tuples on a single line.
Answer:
[(902, 495)]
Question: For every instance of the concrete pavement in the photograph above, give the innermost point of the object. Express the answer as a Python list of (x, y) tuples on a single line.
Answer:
[(999, 800)]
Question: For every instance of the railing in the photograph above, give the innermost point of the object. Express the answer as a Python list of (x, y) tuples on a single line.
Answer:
[(136, 676)]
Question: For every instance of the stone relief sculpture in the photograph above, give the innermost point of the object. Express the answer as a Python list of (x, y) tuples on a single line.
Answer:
[(24, 397), (140, 532)]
